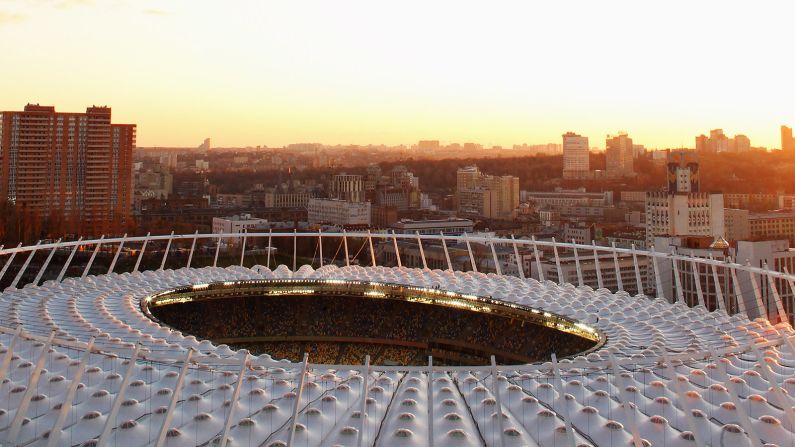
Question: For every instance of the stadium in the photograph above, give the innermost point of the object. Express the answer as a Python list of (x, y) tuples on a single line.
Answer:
[(165, 351)]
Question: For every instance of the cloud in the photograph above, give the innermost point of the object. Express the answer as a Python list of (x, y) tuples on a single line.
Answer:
[(11, 18)]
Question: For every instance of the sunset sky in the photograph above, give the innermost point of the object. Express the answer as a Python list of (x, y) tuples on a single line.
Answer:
[(272, 73)]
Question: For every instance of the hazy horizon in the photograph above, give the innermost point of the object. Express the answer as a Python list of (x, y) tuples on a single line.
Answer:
[(356, 72)]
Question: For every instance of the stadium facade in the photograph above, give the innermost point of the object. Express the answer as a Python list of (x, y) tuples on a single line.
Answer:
[(83, 362)]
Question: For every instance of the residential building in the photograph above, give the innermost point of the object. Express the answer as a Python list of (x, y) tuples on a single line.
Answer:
[(74, 167), (338, 212), (549, 218), (428, 145), (720, 142), (201, 165), (373, 177), (347, 187), (490, 196), (154, 183), (233, 200), (576, 163), (787, 140), (620, 154), (702, 143), (740, 143), (392, 197)]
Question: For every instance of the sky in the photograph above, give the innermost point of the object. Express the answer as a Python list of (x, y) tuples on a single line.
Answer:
[(257, 72)]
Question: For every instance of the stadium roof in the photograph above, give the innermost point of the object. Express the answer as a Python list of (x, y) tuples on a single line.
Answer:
[(183, 391)]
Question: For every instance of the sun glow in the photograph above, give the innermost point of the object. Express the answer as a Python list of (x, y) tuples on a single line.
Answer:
[(271, 73)]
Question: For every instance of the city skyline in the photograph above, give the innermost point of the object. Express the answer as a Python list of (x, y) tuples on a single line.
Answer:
[(358, 73)]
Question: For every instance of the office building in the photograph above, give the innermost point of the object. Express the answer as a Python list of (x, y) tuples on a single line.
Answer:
[(561, 198), (292, 198), (772, 225), (684, 214), (752, 201), (338, 212), (69, 167), (576, 164), (489, 196), (451, 226), (620, 154), (579, 233), (683, 174), (737, 224), (236, 224), (682, 210)]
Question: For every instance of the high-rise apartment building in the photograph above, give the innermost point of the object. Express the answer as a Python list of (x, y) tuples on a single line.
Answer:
[(620, 154), (73, 168), (702, 143), (787, 141), (740, 143), (490, 196), (576, 164), (682, 210), (717, 141)]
